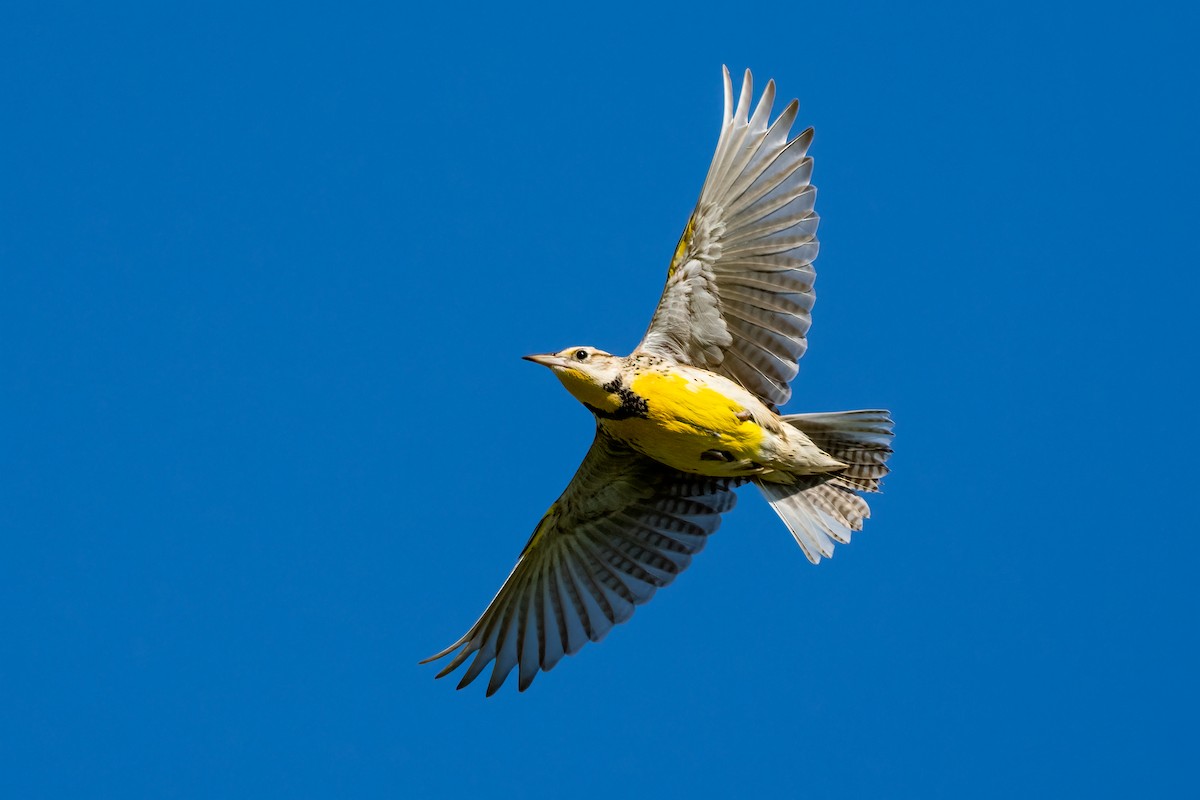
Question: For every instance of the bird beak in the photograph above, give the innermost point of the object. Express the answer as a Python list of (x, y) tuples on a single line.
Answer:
[(547, 359)]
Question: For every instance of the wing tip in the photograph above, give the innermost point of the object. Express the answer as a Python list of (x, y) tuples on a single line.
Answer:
[(443, 653)]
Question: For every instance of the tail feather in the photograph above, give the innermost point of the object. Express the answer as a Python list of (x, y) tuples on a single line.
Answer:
[(862, 439), (808, 524), (867, 426), (822, 509)]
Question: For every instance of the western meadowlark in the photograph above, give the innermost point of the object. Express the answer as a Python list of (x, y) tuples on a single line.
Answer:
[(690, 415)]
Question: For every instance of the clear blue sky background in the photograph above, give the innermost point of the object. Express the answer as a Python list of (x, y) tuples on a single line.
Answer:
[(265, 276)]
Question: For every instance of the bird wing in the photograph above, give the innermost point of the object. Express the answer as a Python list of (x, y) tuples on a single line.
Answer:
[(625, 526), (740, 287)]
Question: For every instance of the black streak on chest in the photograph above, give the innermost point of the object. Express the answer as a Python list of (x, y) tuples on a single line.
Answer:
[(632, 405)]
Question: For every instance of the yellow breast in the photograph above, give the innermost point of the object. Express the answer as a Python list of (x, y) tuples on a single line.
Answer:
[(691, 427)]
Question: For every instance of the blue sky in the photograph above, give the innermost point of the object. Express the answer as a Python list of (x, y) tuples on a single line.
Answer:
[(265, 278)]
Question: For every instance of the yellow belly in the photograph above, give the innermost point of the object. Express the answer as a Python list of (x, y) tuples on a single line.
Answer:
[(691, 427)]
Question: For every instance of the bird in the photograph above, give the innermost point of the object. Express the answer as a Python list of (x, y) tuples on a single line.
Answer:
[(690, 415)]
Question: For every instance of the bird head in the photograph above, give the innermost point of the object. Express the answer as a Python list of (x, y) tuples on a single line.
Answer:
[(587, 373)]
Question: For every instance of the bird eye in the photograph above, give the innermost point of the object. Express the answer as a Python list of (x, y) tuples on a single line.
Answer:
[(581, 355)]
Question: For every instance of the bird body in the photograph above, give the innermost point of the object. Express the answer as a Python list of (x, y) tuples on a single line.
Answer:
[(694, 420), (690, 415)]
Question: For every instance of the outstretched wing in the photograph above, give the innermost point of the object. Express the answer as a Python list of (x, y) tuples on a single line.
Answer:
[(740, 287), (625, 526)]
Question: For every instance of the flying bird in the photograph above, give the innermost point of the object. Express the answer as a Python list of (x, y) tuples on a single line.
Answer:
[(691, 414)]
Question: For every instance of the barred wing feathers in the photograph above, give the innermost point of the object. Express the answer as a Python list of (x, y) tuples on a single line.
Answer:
[(739, 289), (625, 526)]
